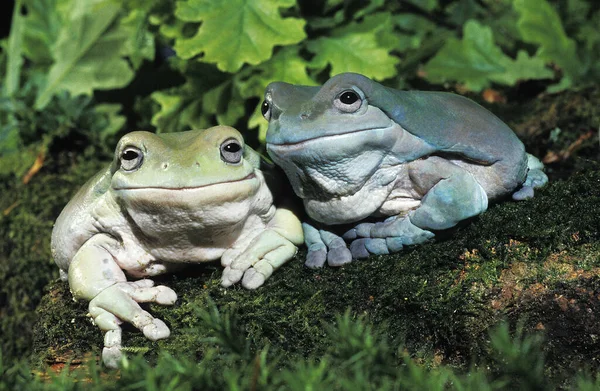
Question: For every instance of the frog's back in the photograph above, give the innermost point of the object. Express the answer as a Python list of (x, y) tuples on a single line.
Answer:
[(464, 131), (75, 224)]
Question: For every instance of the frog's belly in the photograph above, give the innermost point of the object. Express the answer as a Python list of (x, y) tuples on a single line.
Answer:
[(399, 203), (388, 192), (151, 256)]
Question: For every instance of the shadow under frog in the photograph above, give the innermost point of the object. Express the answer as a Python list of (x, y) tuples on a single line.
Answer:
[(416, 162), (168, 199)]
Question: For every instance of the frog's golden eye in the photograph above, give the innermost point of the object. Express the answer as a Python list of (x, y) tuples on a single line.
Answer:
[(231, 151), (131, 158), (348, 101), (265, 109)]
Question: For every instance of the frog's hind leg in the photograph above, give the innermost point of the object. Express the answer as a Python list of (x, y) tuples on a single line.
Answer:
[(535, 178), (451, 195), (94, 275)]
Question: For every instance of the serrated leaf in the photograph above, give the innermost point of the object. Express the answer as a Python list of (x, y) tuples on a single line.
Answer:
[(523, 68), (42, 26), (359, 47), (235, 32), (114, 120), (540, 24), (477, 61), (140, 45), (88, 52), (181, 108), (225, 102), (286, 65)]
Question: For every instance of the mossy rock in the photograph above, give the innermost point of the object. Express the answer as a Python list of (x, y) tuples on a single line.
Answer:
[(535, 262)]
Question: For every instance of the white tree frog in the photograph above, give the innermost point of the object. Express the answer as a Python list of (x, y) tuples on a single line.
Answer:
[(393, 166), (168, 199)]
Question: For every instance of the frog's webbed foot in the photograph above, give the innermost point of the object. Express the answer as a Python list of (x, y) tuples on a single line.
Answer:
[(535, 178), (256, 263), (119, 303), (94, 275), (385, 237), (324, 246)]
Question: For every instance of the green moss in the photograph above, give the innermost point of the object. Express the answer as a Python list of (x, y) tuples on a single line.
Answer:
[(438, 300), (26, 266)]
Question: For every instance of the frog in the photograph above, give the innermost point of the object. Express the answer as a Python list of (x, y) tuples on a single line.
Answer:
[(167, 200), (379, 169)]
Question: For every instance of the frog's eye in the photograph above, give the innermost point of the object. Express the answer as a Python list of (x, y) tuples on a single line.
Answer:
[(265, 109), (231, 151), (131, 159), (348, 101)]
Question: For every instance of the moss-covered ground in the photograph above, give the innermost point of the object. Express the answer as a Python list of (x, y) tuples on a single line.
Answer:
[(534, 264)]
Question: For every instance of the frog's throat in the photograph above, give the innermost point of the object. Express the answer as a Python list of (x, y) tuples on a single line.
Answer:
[(167, 188), (302, 143)]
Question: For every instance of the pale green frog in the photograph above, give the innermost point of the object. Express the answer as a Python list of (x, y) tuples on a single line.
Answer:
[(168, 199)]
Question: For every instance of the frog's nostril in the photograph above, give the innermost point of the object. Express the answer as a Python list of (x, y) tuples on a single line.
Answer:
[(303, 116), (165, 166), (197, 164)]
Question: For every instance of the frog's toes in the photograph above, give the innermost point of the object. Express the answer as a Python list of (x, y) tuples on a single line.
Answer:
[(358, 249), (361, 248), (316, 256), (362, 230), (524, 193), (231, 276), (253, 279), (111, 356), (159, 294), (156, 329), (338, 256)]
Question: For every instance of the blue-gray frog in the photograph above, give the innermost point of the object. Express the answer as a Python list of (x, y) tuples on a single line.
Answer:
[(392, 166)]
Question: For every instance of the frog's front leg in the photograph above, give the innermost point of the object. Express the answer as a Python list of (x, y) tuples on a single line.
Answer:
[(324, 246), (94, 275), (273, 247), (453, 195)]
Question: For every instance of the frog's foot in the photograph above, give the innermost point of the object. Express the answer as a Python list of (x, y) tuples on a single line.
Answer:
[(119, 303), (385, 237), (256, 263), (324, 246), (535, 178)]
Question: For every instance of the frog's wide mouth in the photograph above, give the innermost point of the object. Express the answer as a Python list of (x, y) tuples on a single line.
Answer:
[(325, 137), (248, 177)]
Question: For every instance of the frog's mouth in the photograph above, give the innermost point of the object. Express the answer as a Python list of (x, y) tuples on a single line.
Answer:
[(248, 177), (338, 137)]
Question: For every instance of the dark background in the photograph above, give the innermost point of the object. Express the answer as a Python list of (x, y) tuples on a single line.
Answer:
[(6, 10)]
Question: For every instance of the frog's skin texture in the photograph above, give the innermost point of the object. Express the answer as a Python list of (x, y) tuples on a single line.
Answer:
[(419, 162), (168, 199)]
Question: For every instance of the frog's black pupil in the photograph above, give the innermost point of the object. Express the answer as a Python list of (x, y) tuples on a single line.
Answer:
[(232, 148), (348, 97), (264, 108), (130, 155)]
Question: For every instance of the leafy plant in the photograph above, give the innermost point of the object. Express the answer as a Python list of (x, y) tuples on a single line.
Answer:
[(359, 358), (222, 54)]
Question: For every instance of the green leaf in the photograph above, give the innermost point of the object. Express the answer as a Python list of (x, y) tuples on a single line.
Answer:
[(140, 45), (88, 52), (14, 50), (540, 24), (359, 47), (181, 108), (114, 120), (225, 102), (235, 32), (42, 27), (477, 61), (286, 65)]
